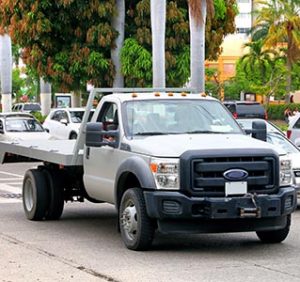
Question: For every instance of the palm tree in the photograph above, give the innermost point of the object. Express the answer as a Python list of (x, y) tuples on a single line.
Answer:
[(158, 26), (259, 59), (198, 10), (282, 18), (6, 72), (118, 24)]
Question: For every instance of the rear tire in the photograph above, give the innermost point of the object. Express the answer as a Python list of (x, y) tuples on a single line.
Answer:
[(56, 194), (137, 229), (35, 194), (275, 236)]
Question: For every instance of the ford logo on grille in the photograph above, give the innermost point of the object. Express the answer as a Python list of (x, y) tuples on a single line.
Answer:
[(235, 174)]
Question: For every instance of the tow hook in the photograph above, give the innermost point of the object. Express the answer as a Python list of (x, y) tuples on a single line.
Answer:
[(254, 212)]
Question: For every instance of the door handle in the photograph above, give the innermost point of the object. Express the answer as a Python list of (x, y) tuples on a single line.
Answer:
[(87, 155)]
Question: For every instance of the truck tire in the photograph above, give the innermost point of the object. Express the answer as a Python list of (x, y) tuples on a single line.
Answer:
[(275, 236), (137, 229), (35, 194), (56, 194)]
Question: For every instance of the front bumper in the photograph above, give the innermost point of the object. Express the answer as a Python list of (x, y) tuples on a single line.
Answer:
[(177, 212)]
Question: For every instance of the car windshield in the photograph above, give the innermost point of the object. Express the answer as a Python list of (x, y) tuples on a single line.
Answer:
[(247, 125), (155, 117), (76, 116), (22, 125), (279, 140), (32, 107)]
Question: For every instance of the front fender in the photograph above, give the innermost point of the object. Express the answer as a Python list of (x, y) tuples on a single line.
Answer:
[(138, 167)]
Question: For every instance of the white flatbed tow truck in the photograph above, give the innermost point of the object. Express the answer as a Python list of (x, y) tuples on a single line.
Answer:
[(169, 160)]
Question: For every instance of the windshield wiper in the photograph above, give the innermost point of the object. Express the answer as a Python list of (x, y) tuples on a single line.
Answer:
[(205, 131), (150, 133)]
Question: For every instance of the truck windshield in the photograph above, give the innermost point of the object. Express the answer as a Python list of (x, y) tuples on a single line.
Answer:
[(157, 117)]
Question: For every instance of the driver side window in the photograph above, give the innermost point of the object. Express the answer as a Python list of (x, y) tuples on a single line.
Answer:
[(109, 116)]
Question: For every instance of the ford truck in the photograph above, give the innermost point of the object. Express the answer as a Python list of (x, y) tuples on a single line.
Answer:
[(168, 160)]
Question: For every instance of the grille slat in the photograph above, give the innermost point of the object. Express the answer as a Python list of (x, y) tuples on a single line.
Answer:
[(221, 166), (211, 181)]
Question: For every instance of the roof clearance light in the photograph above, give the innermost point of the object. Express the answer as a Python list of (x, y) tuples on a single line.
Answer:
[(157, 94), (170, 94), (183, 94), (203, 94), (134, 95)]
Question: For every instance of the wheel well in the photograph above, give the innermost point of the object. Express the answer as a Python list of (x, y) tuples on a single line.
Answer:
[(126, 181), (71, 133)]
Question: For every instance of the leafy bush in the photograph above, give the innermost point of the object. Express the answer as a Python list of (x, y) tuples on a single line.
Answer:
[(39, 116), (276, 112)]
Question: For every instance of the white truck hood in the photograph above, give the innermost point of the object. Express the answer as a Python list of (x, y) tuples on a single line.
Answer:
[(173, 146)]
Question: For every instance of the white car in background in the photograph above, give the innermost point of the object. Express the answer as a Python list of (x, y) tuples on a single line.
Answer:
[(276, 137), (26, 107), (64, 123), (293, 132), (21, 126)]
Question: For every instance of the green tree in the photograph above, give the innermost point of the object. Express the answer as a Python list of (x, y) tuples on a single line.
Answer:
[(177, 49), (249, 79), (259, 59), (281, 17), (67, 42), (18, 84)]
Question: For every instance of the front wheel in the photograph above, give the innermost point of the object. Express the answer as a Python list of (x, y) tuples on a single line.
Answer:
[(137, 229), (275, 236)]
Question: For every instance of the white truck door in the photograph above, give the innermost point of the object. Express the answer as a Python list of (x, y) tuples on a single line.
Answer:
[(101, 163)]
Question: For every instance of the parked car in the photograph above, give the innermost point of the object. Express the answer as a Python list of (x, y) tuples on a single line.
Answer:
[(293, 132), (277, 137), (26, 107), (64, 123), (21, 126), (246, 109)]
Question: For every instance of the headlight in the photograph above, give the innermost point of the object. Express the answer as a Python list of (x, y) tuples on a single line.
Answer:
[(166, 173), (286, 176)]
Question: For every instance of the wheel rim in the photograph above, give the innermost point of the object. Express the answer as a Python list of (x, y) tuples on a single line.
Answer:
[(28, 195), (129, 220)]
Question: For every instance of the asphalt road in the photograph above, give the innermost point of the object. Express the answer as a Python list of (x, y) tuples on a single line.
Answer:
[(85, 246)]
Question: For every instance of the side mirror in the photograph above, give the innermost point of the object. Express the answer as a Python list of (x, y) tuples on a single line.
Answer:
[(97, 137), (259, 130), (64, 121)]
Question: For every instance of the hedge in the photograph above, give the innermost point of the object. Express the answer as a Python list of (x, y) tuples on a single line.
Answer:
[(276, 112)]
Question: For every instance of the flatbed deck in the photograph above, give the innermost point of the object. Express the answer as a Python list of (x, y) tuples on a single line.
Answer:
[(53, 151)]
